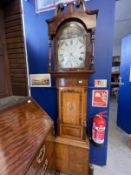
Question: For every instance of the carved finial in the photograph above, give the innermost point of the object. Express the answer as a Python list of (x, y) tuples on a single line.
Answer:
[(59, 8), (80, 4), (70, 7)]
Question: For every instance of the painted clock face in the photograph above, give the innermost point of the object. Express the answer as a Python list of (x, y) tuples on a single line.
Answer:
[(72, 47)]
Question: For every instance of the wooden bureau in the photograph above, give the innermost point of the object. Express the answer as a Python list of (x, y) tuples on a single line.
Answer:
[(26, 140)]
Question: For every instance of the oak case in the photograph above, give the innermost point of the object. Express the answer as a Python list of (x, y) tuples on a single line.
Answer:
[(71, 143)]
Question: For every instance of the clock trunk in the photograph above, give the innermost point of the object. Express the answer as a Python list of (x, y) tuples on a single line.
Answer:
[(72, 112)]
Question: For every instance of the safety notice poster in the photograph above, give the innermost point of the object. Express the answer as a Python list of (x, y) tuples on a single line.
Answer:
[(99, 98)]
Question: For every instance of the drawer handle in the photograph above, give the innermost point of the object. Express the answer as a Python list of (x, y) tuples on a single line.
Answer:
[(41, 155), (44, 167)]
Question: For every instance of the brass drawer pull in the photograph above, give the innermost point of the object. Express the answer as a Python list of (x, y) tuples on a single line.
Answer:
[(41, 155), (44, 167)]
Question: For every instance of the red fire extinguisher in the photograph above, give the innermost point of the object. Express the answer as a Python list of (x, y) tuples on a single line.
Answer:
[(98, 129)]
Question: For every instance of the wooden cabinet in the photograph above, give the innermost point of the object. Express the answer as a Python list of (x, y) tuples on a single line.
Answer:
[(15, 47), (5, 87), (13, 72), (27, 141)]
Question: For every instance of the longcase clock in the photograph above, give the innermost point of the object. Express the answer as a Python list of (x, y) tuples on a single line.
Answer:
[(71, 61)]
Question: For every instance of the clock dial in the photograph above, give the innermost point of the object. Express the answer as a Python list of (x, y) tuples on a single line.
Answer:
[(72, 48)]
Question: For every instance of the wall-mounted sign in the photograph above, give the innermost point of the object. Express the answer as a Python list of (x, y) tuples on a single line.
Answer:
[(40, 80), (45, 5), (100, 98), (100, 83)]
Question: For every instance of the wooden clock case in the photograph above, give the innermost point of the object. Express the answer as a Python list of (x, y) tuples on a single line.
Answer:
[(71, 144)]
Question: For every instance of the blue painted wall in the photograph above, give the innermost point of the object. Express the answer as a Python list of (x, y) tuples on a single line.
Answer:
[(124, 98), (37, 47)]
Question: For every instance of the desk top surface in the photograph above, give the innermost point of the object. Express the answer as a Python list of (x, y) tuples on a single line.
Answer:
[(23, 129)]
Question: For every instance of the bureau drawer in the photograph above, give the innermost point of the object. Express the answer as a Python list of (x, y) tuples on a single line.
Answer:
[(46, 150), (47, 167), (43, 156), (43, 169)]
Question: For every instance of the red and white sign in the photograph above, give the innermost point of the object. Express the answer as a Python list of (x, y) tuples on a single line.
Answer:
[(100, 98)]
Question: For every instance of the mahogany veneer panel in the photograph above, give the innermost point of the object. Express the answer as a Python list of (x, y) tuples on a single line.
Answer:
[(24, 129)]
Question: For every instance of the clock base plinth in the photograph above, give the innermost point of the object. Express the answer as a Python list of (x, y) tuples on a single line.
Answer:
[(72, 156)]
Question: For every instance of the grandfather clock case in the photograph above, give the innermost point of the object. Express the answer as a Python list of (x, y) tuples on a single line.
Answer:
[(71, 58)]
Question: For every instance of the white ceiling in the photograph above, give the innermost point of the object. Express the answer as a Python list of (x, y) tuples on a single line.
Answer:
[(122, 23)]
